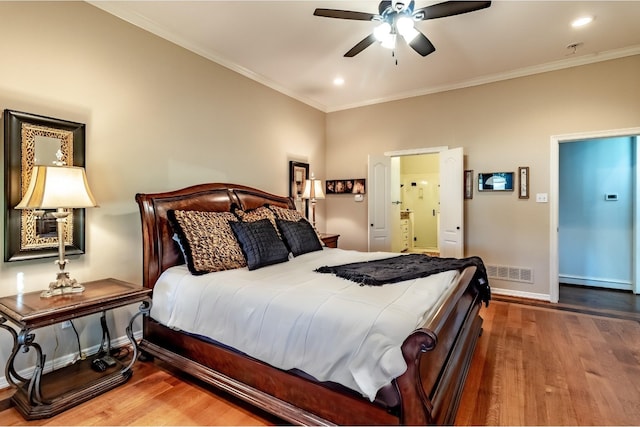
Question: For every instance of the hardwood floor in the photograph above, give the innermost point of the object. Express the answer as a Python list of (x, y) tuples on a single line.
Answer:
[(599, 298), (533, 366), (543, 366), (597, 301), (154, 396)]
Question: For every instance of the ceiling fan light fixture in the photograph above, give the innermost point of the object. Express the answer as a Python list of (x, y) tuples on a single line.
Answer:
[(399, 6), (398, 17), (382, 31), (404, 24), (389, 42)]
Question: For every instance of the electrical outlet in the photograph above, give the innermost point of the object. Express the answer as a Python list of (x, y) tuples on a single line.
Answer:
[(66, 324), (542, 198)]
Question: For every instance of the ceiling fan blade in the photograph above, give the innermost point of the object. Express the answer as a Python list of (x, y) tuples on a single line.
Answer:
[(422, 45), (449, 8), (344, 14), (365, 43), (384, 4)]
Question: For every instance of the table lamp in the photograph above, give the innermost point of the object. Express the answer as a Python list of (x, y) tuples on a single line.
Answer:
[(313, 191), (61, 188)]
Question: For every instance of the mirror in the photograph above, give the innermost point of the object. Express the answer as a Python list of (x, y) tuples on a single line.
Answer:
[(37, 140), (298, 174)]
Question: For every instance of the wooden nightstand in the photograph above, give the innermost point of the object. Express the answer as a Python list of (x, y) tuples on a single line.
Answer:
[(45, 395), (330, 240)]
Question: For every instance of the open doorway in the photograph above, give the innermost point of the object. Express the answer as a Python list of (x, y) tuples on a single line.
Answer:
[(554, 207), (595, 234), (384, 211), (419, 203)]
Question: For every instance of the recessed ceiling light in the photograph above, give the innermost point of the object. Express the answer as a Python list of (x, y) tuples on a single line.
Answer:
[(582, 21), (338, 81)]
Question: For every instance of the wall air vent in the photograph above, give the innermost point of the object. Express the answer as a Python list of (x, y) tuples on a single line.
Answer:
[(513, 274)]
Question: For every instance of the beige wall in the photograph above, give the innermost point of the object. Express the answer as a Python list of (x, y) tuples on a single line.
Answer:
[(501, 126), (158, 118)]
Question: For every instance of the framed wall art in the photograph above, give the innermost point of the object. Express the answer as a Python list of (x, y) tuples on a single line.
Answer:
[(523, 182), (31, 140), (346, 186), (468, 184), (298, 175), (495, 181)]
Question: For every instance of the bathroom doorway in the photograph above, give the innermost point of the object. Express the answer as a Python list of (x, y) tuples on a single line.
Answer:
[(420, 202)]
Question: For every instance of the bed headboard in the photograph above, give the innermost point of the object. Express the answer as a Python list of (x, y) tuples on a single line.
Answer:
[(159, 250)]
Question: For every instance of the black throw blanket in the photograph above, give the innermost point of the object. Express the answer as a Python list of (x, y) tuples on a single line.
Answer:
[(408, 267)]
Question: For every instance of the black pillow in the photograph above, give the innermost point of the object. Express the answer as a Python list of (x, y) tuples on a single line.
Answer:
[(260, 243), (299, 236)]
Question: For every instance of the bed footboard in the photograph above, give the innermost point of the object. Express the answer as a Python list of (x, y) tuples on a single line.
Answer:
[(438, 357)]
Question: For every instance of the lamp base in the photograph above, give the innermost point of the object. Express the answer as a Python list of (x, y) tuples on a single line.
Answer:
[(62, 286)]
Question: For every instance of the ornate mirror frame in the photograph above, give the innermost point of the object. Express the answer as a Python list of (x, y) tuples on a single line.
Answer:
[(298, 174), (27, 137)]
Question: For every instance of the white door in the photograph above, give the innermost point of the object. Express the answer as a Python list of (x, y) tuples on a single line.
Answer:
[(379, 203), (381, 208), (396, 206), (451, 233)]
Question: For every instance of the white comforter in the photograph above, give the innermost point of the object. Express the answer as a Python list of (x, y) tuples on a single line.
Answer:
[(291, 317)]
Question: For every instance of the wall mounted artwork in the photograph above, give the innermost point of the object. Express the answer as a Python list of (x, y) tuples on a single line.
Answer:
[(345, 186), (523, 182), (31, 140), (495, 181), (298, 175)]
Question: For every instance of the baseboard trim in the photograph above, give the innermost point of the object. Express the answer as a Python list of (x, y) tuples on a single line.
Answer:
[(614, 314), (520, 294), (596, 282)]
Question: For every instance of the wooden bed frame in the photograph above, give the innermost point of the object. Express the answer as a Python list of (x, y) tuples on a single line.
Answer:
[(438, 355)]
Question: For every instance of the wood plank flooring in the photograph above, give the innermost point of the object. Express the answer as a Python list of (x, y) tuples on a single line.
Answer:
[(154, 396), (533, 366), (543, 366), (599, 298)]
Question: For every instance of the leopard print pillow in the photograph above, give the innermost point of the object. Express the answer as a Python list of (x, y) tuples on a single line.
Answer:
[(286, 214), (253, 215), (207, 240)]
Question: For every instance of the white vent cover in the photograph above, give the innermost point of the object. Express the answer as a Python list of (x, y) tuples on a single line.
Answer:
[(514, 274)]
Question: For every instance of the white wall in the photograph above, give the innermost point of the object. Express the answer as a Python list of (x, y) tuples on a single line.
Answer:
[(158, 118), (501, 126)]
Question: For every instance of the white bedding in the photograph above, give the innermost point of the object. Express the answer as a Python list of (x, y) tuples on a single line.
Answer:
[(289, 316)]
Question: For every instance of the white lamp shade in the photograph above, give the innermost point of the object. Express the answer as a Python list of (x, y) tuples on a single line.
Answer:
[(313, 189), (53, 187)]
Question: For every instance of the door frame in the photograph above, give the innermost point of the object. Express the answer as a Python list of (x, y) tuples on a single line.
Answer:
[(554, 191), (415, 152)]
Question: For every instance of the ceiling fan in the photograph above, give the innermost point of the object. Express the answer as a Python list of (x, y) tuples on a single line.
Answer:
[(398, 17)]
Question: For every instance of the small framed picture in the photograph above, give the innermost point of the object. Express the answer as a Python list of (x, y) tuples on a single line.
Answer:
[(495, 181), (523, 184), (468, 184)]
